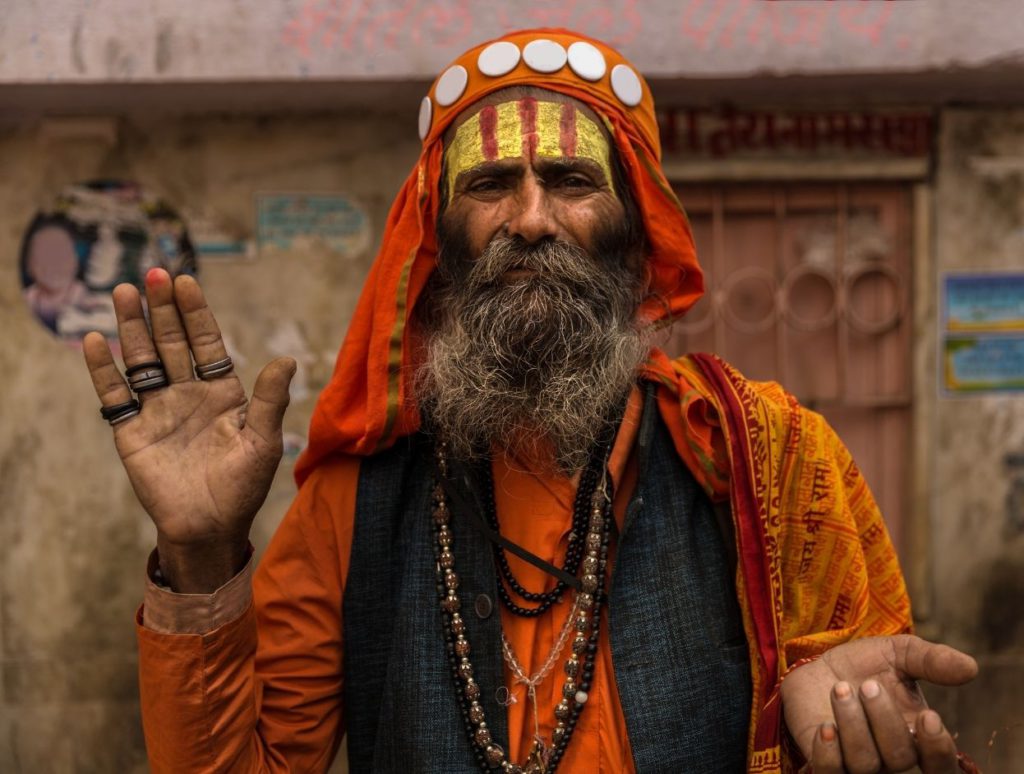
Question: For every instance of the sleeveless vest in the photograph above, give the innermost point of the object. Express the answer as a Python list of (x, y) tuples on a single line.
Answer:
[(678, 647)]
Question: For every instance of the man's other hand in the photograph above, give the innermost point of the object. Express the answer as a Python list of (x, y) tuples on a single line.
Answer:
[(858, 708)]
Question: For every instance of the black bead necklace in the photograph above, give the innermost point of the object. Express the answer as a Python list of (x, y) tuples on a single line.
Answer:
[(579, 666), (574, 552)]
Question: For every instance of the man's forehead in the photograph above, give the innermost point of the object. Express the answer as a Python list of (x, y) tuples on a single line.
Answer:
[(525, 123), (515, 93)]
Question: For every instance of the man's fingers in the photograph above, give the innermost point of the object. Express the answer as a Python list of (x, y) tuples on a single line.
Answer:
[(203, 332), (892, 737), (270, 399), (826, 757), (939, 664), (855, 738), (110, 386), (168, 332), (936, 747), (133, 330)]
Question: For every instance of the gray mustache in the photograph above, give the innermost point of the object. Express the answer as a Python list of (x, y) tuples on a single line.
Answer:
[(549, 259)]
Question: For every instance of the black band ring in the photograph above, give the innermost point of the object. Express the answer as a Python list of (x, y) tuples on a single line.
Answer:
[(153, 383), (108, 412), (144, 367), (215, 369), (121, 411)]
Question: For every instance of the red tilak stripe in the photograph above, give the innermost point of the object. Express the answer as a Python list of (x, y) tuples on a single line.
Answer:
[(489, 132), (567, 131), (528, 122)]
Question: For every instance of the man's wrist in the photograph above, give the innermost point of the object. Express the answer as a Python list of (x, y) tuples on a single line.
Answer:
[(200, 568), (167, 612)]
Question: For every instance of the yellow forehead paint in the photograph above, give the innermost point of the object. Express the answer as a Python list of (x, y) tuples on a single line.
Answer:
[(526, 128)]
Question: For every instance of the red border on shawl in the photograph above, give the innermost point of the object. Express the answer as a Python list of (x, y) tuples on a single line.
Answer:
[(752, 548)]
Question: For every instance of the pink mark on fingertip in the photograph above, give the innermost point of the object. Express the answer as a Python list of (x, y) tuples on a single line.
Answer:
[(157, 276)]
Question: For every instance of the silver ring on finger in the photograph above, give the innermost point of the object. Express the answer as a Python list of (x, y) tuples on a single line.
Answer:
[(215, 369), (146, 376), (117, 414)]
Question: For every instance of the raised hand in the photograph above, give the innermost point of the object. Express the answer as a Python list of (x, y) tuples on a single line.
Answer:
[(199, 456), (858, 709)]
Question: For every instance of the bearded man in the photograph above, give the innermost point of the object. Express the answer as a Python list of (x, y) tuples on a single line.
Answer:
[(524, 539)]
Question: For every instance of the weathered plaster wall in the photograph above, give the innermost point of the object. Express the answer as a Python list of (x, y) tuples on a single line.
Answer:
[(73, 539), (977, 540), (96, 40)]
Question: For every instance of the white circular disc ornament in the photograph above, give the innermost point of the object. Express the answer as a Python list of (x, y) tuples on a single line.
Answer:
[(498, 58), (426, 114), (450, 85), (626, 85), (587, 61), (544, 56)]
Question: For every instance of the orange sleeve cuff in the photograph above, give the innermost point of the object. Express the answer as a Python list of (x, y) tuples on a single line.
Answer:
[(167, 612)]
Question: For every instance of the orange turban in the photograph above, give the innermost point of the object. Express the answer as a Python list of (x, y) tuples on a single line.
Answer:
[(367, 404)]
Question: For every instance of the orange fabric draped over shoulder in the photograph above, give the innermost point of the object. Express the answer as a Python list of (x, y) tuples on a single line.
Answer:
[(816, 567), (368, 403)]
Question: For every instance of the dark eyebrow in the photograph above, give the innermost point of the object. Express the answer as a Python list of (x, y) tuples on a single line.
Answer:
[(507, 169), (510, 169), (566, 165)]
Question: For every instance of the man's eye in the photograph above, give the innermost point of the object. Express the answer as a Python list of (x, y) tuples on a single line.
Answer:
[(484, 185), (576, 183)]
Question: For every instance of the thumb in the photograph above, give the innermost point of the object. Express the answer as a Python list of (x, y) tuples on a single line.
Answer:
[(939, 664), (270, 399)]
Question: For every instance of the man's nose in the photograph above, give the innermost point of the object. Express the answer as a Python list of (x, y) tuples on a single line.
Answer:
[(533, 218)]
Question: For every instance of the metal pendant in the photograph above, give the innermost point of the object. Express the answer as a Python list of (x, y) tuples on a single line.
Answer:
[(537, 760)]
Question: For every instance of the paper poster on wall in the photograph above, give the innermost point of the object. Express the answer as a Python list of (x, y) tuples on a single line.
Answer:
[(983, 332), (984, 302), (284, 219), (95, 236), (984, 363)]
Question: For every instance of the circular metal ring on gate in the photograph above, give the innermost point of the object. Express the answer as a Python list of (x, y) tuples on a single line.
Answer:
[(749, 275), (790, 291), (892, 317)]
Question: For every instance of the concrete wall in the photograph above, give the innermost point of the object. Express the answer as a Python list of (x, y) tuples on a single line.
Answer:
[(81, 41), (73, 539), (977, 531)]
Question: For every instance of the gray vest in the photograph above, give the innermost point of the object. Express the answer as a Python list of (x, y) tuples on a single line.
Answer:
[(678, 648)]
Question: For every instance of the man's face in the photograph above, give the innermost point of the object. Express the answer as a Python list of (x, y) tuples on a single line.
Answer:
[(531, 316), (537, 168)]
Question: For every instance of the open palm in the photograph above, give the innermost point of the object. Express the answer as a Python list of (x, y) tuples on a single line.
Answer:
[(199, 455), (888, 729)]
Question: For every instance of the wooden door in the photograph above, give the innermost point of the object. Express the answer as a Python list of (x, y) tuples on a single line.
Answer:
[(809, 285)]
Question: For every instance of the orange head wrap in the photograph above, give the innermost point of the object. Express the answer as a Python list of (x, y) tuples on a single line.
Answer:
[(367, 404)]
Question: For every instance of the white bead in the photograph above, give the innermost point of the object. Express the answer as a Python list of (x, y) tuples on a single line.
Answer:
[(581, 697), (545, 56), (587, 61), (426, 113), (450, 85), (626, 85), (498, 58)]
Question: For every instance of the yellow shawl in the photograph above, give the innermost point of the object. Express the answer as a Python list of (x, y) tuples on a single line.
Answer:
[(815, 567)]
